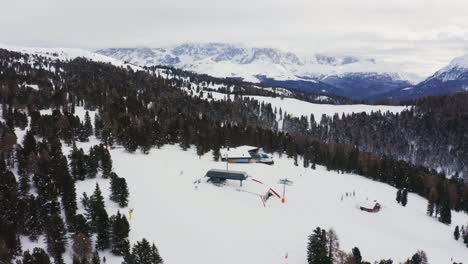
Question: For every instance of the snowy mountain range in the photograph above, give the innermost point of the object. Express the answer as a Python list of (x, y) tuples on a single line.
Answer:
[(450, 79), (349, 76)]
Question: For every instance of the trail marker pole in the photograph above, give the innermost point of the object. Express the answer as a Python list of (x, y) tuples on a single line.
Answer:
[(285, 182)]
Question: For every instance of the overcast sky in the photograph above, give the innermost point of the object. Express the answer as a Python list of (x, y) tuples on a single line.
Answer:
[(422, 35)]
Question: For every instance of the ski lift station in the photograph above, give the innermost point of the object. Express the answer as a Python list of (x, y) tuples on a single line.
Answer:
[(218, 176), (246, 154)]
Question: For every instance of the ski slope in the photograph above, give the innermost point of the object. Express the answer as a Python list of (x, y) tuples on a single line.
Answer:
[(202, 223), (298, 108), (211, 224)]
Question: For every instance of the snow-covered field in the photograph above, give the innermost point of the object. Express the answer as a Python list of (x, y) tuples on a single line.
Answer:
[(209, 224), (203, 223), (299, 108)]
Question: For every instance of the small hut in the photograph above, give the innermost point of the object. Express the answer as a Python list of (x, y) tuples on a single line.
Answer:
[(370, 206)]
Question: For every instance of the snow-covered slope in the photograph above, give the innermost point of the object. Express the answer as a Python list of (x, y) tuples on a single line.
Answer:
[(457, 69), (229, 224), (227, 60), (298, 108), (67, 54)]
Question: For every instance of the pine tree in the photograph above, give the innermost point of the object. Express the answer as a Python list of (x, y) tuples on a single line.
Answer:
[(80, 225), (77, 164), (216, 154), (39, 256), (456, 233), (99, 219), (88, 127), (119, 235), (357, 255), (419, 258), (29, 143), (398, 196), (155, 255), (143, 253), (430, 207), (82, 133), (56, 237), (92, 163), (445, 212), (10, 214), (98, 125), (96, 259), (106, 163), (317, 248), (404, 197), (119, 190), (24, 179), (34, 223), (465, 238), (27, 258)]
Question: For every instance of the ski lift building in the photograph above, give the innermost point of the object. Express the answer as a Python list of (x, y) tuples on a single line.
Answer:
[(218, 176), (246, 154)]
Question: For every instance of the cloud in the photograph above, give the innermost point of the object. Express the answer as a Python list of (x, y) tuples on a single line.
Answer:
[(423, 34)]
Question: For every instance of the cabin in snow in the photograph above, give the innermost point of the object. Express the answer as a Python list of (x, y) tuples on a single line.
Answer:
[(246, 154), (370, 206), (218, 176)]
